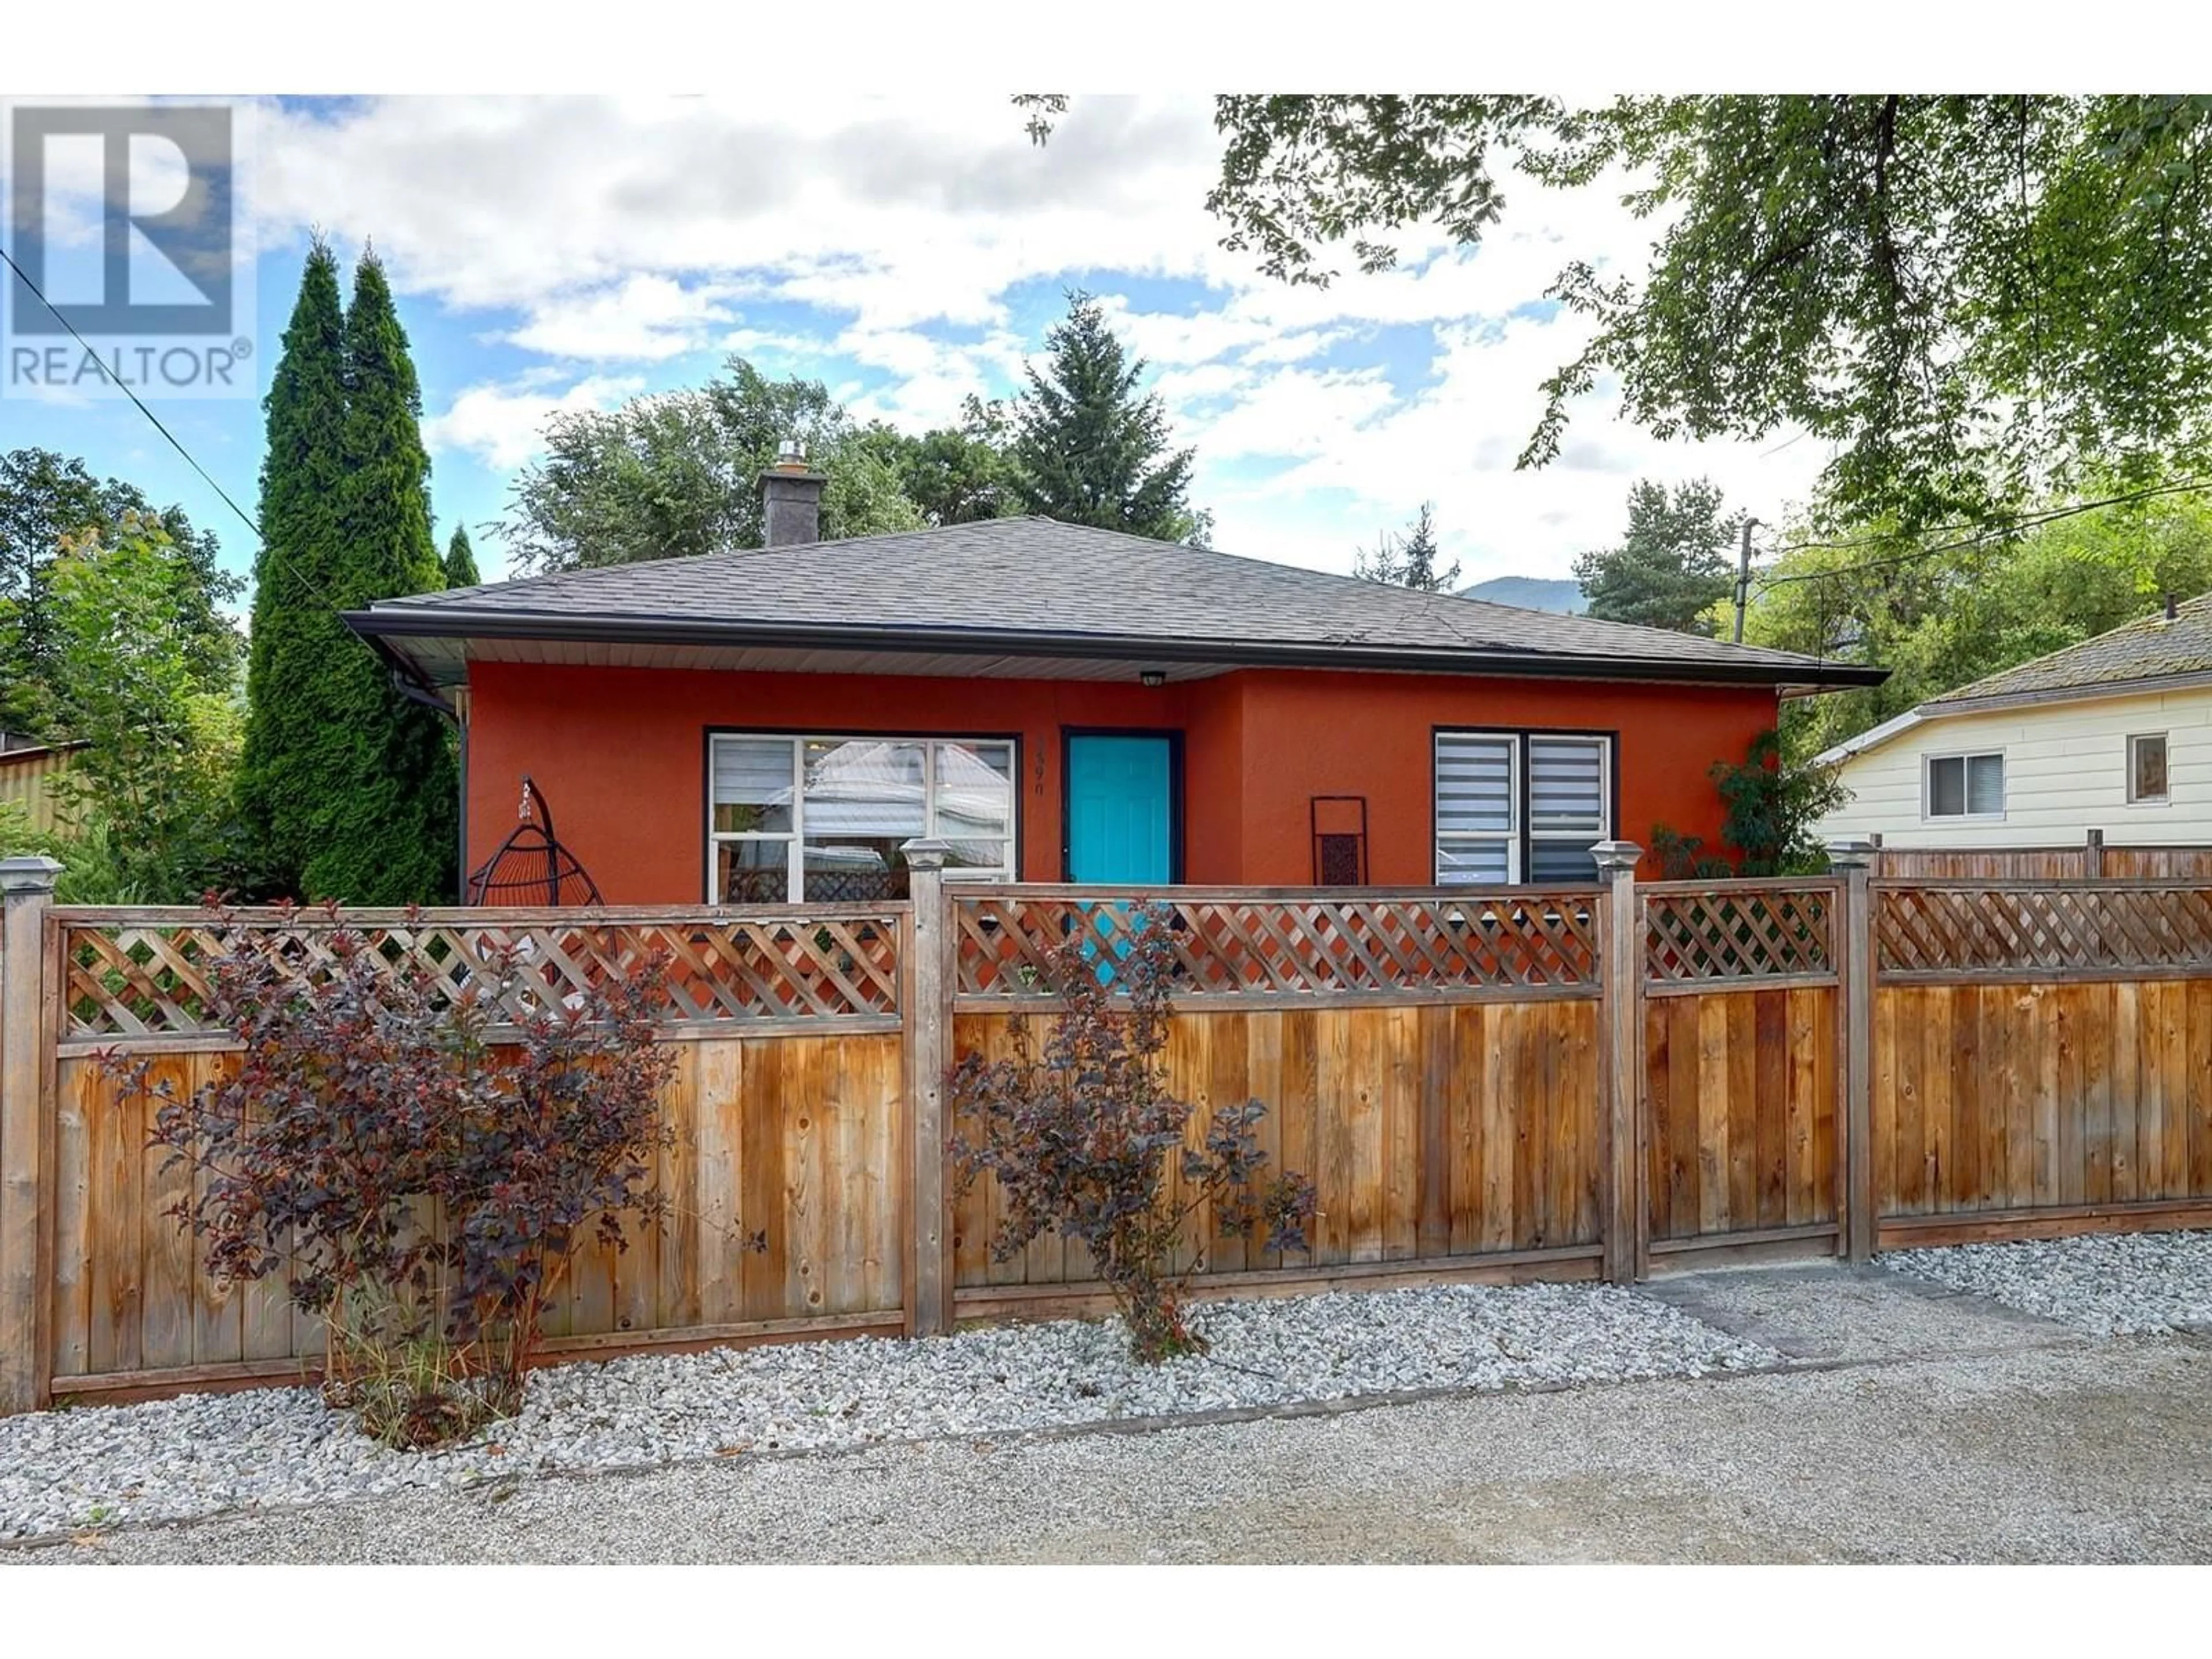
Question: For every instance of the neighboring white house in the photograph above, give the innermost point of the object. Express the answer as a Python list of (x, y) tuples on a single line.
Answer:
[(2114, 734)]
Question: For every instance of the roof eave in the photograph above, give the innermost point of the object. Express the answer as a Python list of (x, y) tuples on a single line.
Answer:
[(391, 625)]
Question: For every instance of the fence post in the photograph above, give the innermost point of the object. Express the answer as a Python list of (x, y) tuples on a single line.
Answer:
[(2092, 856), (1853, 860), (27, 887), (1627, 1253), (928, 1017)]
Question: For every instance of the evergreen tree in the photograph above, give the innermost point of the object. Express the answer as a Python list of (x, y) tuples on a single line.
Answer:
[(1410, 559), (461, 560), (285, 775), (1675, 563), (1087, 450), (347, 789), (393, 810)]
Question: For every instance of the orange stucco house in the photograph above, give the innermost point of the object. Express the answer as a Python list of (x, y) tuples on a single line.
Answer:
[(1062, 703)]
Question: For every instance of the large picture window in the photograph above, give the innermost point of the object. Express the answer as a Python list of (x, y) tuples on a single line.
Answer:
[(793, 818), (1521, 805)]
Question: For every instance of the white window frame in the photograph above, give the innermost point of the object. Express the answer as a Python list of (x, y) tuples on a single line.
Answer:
[(794, 838), (1516, 770), (1965, 758), (2164, 738), (1520, 837)]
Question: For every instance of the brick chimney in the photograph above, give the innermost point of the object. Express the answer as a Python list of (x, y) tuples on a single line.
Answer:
[(791, 498)]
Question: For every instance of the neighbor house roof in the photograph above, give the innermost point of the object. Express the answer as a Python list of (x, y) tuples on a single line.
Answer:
[(1030, 588), (2153, 652)]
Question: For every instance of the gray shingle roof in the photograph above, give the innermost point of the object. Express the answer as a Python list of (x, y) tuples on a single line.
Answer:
[(1034, 578), (2149, 649)]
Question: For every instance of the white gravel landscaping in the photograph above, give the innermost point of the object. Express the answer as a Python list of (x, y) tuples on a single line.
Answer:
[(2122, 1285), (172, 1459)]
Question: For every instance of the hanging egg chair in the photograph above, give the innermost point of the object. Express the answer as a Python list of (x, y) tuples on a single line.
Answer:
[(531, 867)]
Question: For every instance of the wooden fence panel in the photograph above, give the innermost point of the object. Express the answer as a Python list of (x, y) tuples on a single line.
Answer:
[(796, 1139), (1741, 1096), (2005, 1109), (1431, 1134)]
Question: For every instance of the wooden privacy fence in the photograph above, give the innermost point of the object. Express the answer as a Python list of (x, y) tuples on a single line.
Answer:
[(2086, 859), (1564, 1082)]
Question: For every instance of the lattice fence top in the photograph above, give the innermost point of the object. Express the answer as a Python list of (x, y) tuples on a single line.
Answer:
[(150, 978), (1293, 946), (1955, 927), (1724, 932)]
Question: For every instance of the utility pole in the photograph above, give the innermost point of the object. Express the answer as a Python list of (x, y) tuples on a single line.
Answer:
[(1743, 578)]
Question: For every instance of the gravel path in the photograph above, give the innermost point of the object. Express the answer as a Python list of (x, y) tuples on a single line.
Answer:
[(172, 1459), (2095, 1451), (2121, 1284)]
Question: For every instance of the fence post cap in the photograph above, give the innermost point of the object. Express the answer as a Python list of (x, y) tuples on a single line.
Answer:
[(1850, 852), (925, 853), (32, 872), (1615, 856)]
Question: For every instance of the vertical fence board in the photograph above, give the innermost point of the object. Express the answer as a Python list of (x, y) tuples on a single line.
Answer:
[(2109, 1058), (1301, 1107), (1228, 1053), (2198, 1093), (77, 1100), (168, 1271), (1263, 1082), (1465, 1192), (1771, 1080), (676, 1298)]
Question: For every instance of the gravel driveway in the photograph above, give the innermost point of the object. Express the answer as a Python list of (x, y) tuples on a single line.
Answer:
[(2045, 1454), (1815, 1413)]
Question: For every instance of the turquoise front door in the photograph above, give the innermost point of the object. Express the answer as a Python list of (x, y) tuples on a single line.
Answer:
[(1121, 809)]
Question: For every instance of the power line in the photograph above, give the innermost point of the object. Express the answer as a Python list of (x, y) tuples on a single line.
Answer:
[(24, 277), (278, 559), (1993, 533)]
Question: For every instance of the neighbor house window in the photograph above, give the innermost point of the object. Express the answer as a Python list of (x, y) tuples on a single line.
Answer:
[(824, 818), (1965, 787), (1521, 805), (2147, 782)]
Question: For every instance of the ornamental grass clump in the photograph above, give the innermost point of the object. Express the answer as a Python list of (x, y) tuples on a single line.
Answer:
[(420, 1162), (1079, 1136)]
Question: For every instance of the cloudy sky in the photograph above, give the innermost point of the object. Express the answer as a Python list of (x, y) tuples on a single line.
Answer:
[(556, 254)]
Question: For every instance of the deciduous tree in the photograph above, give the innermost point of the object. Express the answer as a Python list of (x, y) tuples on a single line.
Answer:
[(677, 473), (1969, 299), (45, 497)]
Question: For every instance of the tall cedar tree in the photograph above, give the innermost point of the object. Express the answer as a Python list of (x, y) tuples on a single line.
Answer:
[(298, 724), (461, 560), (393, 831), (1087, 450), (347, 789)]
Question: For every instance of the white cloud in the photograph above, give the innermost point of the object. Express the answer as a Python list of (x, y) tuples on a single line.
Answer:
[(895, 234), (644, 318), (502, 425)]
